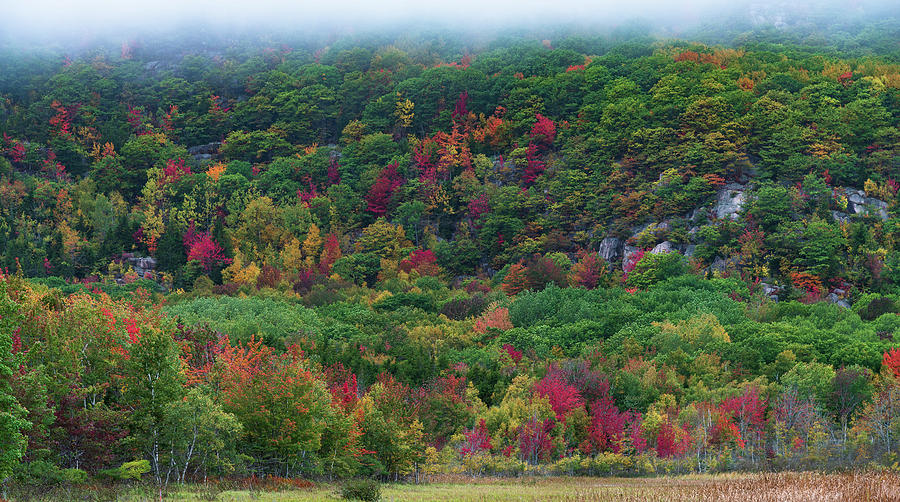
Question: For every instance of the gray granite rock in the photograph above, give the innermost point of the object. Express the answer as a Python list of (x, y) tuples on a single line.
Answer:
[(730, 201), (610, 248), (663, 247), (142, 265)]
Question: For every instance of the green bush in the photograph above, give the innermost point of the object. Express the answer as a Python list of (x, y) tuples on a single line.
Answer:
[(361, 489), (74, 476), (38, 472), (128, 470)]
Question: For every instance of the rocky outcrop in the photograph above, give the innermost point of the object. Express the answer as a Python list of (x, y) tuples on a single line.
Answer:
[(837, 300), (840, 217), (205, 152), (859, 203), (664, 247), (730, 200), (771, 291), (610, 249), (141, 264), (724, 265)]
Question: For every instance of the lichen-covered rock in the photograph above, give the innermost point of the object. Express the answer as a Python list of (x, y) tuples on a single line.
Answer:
[(837, 300)]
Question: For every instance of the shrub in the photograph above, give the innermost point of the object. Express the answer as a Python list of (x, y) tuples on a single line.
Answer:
[(128, 470), (43, 473), (74, 476), (361, 489), (461, 308), (877, 307)]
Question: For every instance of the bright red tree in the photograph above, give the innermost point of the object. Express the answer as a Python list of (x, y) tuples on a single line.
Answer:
[(202, 247), (891, 360), (563, 397), (534, 167), (477, 440), (543, 132), (382, 192), (535, 441), (608, 425)]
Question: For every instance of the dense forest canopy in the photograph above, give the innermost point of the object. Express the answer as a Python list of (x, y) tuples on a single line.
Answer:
[(537, 250)]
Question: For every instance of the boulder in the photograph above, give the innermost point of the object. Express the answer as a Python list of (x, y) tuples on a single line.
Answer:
[(636, 230), (722, 265), (718, 265), (769, 289), (689, 250), (856, 196), (840, 217), (837, 300), (663, 247), (860, 204)]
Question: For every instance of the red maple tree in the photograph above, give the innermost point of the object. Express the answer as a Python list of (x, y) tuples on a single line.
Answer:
[(382, 192)]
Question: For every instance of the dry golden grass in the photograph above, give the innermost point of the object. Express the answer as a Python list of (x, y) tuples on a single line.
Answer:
[(762, 487), (759, 487)]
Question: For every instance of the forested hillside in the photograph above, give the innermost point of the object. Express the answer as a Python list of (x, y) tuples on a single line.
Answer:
[(591, 254)]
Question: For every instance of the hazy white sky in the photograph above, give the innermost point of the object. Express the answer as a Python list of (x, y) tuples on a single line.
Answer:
[(79, 17), (100, 12)]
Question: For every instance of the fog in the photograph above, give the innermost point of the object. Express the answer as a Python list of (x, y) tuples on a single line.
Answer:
[(71, 21)]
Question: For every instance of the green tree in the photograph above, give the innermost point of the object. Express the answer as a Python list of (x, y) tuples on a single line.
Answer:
[(12, 423), (654, 268), (153, 380), (200, 436)]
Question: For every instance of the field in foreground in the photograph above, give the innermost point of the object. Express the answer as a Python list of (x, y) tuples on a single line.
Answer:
[(730, 487)]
